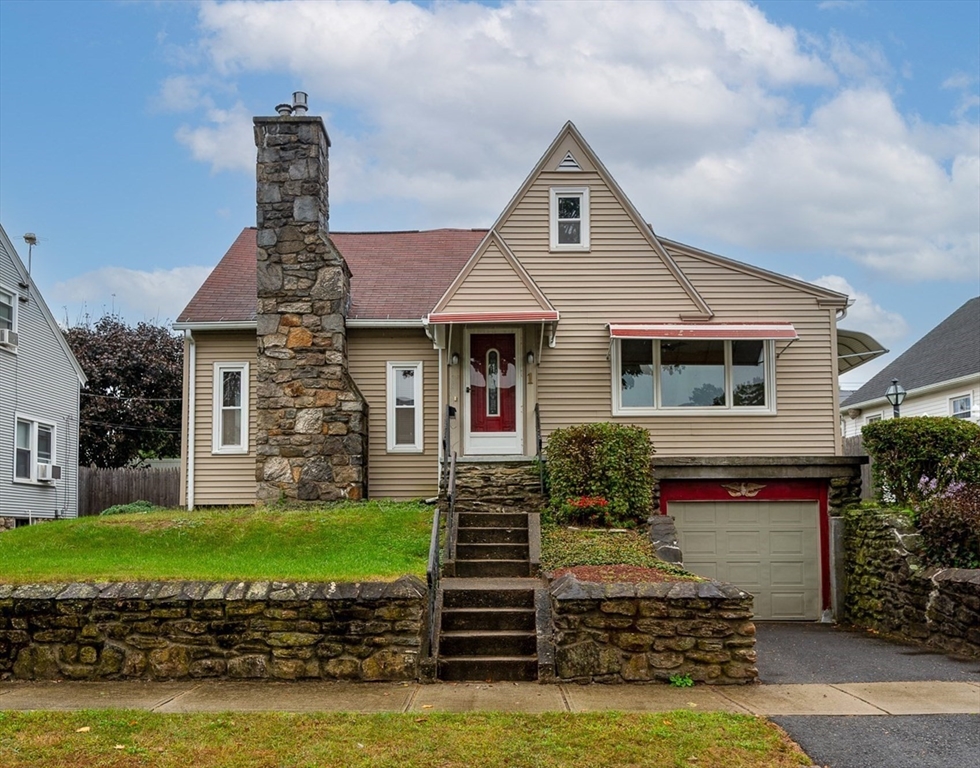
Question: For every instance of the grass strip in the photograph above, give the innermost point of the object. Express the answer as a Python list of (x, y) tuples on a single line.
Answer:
[(129, 738), (365, 541)]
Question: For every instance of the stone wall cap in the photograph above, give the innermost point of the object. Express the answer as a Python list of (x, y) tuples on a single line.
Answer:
[(258, 590), (683, 590), (37, 591), (80, 591), (961, 575), (710, 590), (406, 586)]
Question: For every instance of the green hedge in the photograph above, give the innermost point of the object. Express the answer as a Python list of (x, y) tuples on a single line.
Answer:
[(600, 474), (917, 457)]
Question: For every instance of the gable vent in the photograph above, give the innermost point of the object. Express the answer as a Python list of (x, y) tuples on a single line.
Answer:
[(569, 163)]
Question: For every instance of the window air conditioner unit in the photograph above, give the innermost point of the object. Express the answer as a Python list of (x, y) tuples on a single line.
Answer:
[(8, 338), (48, 472)]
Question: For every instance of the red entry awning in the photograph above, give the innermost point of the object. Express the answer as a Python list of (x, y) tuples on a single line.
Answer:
[(703, 331), (519, 316)]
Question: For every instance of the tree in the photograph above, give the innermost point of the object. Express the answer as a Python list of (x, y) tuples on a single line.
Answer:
[(131, 406)]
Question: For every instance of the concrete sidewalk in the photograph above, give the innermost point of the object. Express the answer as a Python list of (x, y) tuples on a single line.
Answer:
[(889, 698)]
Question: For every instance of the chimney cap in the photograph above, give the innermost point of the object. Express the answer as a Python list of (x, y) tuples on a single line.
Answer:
[(284, 110), (299, 102)]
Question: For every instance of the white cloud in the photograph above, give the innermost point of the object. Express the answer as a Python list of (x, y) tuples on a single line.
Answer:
[(443, 109), (226, 142), (865, 314), (136, 295)]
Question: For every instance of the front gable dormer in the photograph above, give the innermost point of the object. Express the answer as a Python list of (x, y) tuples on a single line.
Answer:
[(493, 271), (570, 215)]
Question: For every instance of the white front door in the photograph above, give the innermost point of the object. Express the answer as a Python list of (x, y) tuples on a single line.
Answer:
[(494, 394)]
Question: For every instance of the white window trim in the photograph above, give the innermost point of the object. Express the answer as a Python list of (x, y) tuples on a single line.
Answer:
[(968, 396), (14, 296), (618, 409), (870, 418), (393, 366), (216, 447), (583, 193), (34, 422)]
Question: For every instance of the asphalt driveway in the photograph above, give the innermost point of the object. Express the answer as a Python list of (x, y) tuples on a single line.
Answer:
[(823, 653)]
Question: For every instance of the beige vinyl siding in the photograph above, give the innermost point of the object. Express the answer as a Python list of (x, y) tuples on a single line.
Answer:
[(622, 279), (222, 478), (397, 475), (492, 276)]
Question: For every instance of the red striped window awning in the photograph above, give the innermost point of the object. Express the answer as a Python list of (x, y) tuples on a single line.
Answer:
[(703, 331), (517, 316)]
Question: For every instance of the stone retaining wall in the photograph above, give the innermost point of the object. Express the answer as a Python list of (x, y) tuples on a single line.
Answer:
[(176, 630), (889, 588), (615, 633)]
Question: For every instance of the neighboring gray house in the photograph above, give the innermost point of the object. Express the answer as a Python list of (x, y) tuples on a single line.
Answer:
[(40, 384), (940, 373)]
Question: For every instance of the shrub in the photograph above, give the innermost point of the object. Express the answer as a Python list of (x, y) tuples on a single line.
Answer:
[(941, 449), (131, 508), (600, 473), (950, 526)]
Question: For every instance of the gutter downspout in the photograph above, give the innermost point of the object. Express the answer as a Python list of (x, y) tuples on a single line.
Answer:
[(191, 414)]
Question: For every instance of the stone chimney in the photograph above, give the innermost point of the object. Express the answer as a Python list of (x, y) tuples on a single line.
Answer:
[(311, 437)]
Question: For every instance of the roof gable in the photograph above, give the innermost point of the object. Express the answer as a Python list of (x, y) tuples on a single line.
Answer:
[(554, 164), (493, 270), (27, 283), (949, 351)]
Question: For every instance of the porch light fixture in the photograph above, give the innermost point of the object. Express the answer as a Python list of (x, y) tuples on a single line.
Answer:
[(895, 395), (530, 357), (454, 360)]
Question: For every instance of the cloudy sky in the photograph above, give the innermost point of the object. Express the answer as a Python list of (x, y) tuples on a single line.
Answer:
[(834, 141)]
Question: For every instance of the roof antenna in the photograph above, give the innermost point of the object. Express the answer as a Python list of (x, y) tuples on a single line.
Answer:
[(31, 239)]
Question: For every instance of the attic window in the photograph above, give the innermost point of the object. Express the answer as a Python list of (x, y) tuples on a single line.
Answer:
[(570, 219)]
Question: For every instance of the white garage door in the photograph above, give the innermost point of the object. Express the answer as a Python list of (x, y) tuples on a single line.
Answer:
[(768, 548)]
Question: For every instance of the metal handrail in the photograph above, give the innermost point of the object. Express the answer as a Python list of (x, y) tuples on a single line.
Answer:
[(539, 445), (452, 519), (432, 581), (446, 437)]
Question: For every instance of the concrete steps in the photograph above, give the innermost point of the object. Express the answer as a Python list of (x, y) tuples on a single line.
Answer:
[(488, 627)]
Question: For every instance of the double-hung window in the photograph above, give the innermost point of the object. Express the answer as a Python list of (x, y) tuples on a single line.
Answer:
[(8, 316), (691, 375), (34, 445), (959, 407), (404, 412), (230, 433), (570, 218)]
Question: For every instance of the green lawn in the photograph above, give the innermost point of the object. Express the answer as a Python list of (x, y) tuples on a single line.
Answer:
[(124, 738), (347, 542)]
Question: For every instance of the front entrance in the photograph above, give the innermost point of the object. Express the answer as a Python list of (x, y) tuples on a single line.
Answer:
[(494, 395)]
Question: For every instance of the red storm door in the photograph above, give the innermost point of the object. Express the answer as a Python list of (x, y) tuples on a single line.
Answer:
[(493, 383)]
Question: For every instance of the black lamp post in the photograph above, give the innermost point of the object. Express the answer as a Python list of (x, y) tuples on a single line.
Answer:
[(895, 395)]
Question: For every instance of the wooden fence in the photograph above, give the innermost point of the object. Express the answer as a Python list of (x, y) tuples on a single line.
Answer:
[(853, 447), (99, 489)]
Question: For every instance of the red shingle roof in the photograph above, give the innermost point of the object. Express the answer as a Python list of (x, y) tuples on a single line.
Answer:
[(394, 275)]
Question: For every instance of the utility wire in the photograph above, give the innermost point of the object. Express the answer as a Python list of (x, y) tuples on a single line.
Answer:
[(129, 426), (145, 399)]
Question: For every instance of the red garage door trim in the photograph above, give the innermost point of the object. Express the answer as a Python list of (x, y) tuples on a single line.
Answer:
[(760, 490)]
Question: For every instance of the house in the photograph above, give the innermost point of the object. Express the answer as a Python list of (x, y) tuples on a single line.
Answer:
[(380, 353), (40, 385), (940, 374)]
